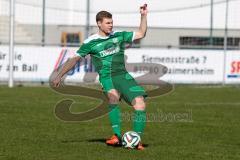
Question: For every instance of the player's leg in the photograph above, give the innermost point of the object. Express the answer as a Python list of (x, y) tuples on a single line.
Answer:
[(114, 111), (139, 118), (134, 95)]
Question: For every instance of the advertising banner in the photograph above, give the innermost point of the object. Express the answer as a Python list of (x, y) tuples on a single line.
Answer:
[(35, 64), (184, 66), (232, 67)]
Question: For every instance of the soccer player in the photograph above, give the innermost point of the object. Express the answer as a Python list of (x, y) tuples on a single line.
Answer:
[(107, 52)]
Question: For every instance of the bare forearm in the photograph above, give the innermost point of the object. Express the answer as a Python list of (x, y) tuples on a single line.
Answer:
[(68, 66), (143, 25)]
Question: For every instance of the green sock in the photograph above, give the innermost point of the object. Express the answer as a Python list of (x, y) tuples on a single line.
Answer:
[(139, 121), (115, 119)]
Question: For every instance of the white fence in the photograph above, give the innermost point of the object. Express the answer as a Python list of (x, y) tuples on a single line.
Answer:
[(35, 64), (166, 13)]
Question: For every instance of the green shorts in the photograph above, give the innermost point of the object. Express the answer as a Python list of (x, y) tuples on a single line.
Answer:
[(125, 84)]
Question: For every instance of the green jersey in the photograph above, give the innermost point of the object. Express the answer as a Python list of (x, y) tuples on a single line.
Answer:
[(107, 53)]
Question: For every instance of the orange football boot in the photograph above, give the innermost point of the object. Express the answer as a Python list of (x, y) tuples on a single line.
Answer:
[(140, 146), (113, 141)]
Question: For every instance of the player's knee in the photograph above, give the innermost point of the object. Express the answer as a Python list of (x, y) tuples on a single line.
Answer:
[(139, 103), (140, 106), (113, 97), (113, 100)]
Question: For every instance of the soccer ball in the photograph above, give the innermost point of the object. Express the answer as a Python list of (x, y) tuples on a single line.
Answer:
[(130, 139)]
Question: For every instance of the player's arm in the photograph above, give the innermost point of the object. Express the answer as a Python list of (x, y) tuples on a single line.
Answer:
[(81, 52), (143, 23), (66, 67)]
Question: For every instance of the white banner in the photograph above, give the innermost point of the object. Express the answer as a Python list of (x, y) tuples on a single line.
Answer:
[(30, 63), (184, 66)]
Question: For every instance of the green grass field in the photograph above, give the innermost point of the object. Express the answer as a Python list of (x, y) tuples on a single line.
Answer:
[(189, 123)]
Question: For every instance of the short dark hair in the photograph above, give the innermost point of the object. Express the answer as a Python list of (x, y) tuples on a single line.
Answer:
[(103, 14)]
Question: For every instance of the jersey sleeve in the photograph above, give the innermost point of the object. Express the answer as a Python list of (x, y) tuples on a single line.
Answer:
[(128, 36), (84, 50)]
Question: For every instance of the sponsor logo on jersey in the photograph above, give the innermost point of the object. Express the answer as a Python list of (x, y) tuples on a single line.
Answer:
[(110, 51)]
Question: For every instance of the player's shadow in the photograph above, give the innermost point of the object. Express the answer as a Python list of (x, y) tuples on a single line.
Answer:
[(97, 140), (102, 140), (72, 141)]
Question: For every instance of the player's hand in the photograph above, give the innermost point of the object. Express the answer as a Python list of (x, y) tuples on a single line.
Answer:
[(57, 81), (143, 10)]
